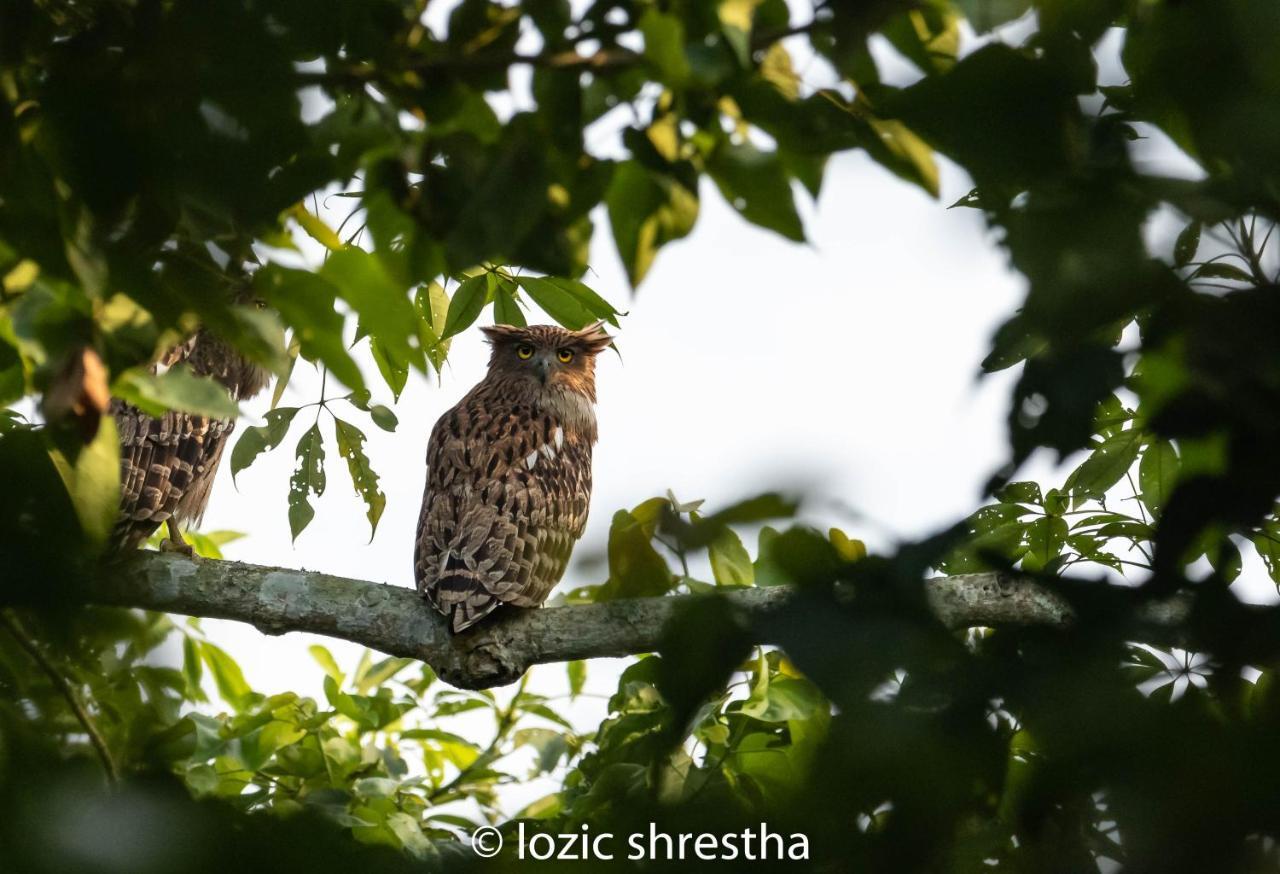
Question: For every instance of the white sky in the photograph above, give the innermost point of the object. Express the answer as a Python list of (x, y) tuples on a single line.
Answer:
[(847, 366)]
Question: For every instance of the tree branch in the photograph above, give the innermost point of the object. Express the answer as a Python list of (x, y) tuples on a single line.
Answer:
[(396, 621)]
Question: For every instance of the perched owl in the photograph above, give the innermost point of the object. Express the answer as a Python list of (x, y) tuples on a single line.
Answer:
[(167, 465), (509, 475)]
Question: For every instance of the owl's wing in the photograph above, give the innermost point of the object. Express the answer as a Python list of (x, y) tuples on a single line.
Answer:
[(506, 499), (167, 466)]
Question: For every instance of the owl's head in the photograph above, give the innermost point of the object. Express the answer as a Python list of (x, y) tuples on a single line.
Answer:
[(208, 354), (547, 357)]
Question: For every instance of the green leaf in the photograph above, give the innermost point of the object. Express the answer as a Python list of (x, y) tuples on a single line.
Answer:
[(587, 297), (985, 15), (1157, 473), (736, 19), (1267, 542), (1045, 539), (306, 302), (382, 303), (325, 659), (1106, 465), (192, 668), (93, 481), (383, 417), (12, 376), (1187, 244), (1021, 493), (175, 389), (755, 184), (308, 479), (351, 447), (767, 571), (226, 675), (647, 210), (730, 563), (202, 544), (506, 310), (664, 46), (395, 373), (1221, 270), (897, 148), (636, 570), (432, 305), (261, 438), (467, 303), (1226, 560), (928, 36), (783, 699), (577, 671), (567, 301), (379, 673)]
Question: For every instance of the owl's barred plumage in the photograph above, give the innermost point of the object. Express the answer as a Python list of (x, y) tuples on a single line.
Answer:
[(167, 464), (509, 475)]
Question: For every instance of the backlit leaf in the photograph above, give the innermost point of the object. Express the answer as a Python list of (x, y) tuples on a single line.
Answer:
[(308, 479), (351, 447)]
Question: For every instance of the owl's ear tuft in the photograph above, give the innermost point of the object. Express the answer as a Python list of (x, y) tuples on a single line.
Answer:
[(593, 338), (497, 334)]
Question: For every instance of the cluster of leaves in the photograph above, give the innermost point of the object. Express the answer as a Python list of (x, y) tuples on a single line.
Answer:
[(890, 742), (1106, 512)]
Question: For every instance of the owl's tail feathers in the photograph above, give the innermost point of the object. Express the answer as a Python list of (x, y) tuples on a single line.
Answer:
[(130, 534), (463, 600)]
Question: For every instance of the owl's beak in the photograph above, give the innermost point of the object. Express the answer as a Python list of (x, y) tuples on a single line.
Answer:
[(542, 367)]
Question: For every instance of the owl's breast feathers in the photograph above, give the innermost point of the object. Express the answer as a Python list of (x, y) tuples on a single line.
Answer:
[(167, 466), (508, 487)]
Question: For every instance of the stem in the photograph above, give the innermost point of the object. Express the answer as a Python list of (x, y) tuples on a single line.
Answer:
[(506, 721), (60, 683), (324, 379)]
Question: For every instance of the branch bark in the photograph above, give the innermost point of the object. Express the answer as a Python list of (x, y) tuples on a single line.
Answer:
[(396, 621)]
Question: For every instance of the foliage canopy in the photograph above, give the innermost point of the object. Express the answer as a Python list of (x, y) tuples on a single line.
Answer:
[(157, 159)]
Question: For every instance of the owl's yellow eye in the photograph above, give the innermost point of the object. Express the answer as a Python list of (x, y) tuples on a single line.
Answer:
[(524, 351), (565, 355)]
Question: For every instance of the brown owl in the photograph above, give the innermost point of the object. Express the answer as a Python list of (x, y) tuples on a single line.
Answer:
[(167, 465), (509, 475)]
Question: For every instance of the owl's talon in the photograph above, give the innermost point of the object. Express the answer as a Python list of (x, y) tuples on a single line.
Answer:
[(182, 548), (175, 542)]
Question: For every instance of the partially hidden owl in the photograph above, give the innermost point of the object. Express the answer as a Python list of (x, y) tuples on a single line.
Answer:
[(167, 464), (509, 475)]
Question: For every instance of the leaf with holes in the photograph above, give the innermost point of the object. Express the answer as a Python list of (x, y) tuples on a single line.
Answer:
[(308, 479), (351, 447)]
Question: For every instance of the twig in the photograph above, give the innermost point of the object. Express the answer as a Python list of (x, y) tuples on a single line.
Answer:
[(490, 754), (60, 683)]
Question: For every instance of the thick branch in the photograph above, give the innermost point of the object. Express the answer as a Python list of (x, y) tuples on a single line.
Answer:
[(396, 621)]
